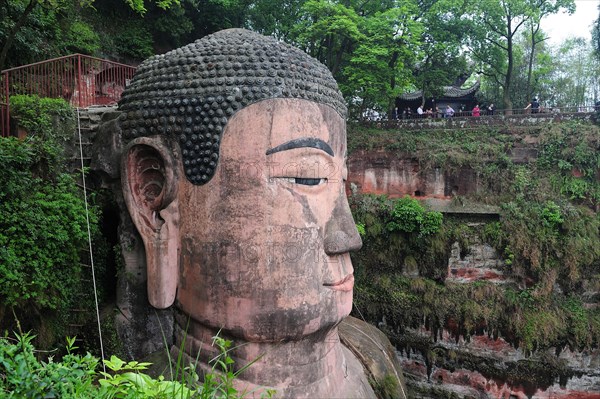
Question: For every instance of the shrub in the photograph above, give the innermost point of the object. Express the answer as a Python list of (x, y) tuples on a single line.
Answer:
[(134, 40), (42, 229), (23, 375), (52, 118), (81, 38), (42, 220), (409, 216)]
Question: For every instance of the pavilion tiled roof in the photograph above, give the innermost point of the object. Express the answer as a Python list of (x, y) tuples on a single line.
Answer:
[(449, 91)]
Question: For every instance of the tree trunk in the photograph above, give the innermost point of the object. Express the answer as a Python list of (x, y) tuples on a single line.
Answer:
[(509, 69), (392, 66), (13, 32), (531, 57)]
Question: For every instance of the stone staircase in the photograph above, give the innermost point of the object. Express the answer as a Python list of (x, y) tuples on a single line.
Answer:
[(89, 120)]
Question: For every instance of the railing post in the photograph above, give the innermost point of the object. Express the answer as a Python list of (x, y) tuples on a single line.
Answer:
[(79, 80)]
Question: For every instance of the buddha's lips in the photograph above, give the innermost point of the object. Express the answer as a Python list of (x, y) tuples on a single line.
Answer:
[(343, 285)]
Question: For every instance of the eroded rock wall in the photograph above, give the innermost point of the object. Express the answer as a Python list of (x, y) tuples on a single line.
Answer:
[(448, 363)]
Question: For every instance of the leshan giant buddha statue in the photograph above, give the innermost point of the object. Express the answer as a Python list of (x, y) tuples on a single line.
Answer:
[(232, 170)]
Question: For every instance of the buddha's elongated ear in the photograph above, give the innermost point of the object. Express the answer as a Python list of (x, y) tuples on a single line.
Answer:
[(149, 180)]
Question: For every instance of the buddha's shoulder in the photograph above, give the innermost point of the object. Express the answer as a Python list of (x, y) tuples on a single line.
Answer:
[(376, 354)]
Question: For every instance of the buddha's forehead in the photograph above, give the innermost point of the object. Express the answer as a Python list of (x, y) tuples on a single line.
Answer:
[(281, 124), (191, 93)]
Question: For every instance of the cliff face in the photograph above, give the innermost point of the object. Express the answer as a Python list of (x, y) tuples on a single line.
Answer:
[(483, 365), (381, 172), (504, 301)]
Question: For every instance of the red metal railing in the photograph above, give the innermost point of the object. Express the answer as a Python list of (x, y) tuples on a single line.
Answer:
[(79, 79)]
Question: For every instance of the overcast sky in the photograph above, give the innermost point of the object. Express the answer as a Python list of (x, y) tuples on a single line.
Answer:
[(563, 26)]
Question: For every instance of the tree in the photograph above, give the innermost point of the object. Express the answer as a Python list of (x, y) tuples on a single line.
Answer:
[(542, 8), (380, 66), (575, 78), (496, 24), (531, 74), (274, 17), (441, 56), (368, 46), (16, 14), (596, 35)]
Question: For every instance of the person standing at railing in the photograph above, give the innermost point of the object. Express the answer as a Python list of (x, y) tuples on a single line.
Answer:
[(476, 111), (535, 106), (491, 108), (449, 111), (420, 111)]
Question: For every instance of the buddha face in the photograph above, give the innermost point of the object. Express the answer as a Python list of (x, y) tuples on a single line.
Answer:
[(264, 244)]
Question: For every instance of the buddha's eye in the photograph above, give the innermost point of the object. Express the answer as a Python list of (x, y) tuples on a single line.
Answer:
[(306, 181)]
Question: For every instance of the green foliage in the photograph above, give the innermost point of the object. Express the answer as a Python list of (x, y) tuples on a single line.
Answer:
[(23, 375), (495, 30), (397, 232), (139, 6), (134, 40), (409, 216), (42, 221), (81, 38), (42, 229), (34, 41), (42, 232), (546, 236), (387, 387), (127, 380), (569, 152), (478, 148), (43, 116), (361, 229)]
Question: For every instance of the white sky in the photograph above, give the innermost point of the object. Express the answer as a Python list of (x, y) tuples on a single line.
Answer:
[(563, 26)]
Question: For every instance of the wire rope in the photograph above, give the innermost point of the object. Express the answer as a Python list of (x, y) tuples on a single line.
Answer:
[(87, 217)]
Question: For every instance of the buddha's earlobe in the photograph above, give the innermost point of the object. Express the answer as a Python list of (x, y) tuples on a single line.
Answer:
[(149, 182)]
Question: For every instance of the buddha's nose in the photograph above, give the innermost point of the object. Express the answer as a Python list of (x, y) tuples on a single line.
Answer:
[(341, 235)]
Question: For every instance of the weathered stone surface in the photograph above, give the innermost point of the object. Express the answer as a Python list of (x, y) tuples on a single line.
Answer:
[(484, 367), (379, 172), (141, 328), (375, 352), (480, 262)]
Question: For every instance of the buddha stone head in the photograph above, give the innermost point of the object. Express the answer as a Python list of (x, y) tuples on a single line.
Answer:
[(233, 174)]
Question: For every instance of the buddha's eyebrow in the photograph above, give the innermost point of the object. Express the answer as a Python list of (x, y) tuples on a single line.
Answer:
[(310, 142)]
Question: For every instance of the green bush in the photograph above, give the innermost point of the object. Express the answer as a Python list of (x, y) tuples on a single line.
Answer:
[(81, 38), (52, 118), (409, 216), (23, 375), (42, 230), (134, 40), (74, 376), (43, 224)]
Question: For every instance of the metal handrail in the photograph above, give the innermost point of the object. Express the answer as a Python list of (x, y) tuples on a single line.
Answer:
[(542, 111), (65, 57), (81, 80)]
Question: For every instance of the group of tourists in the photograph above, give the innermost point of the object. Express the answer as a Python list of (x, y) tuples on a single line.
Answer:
[(445, 112)]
